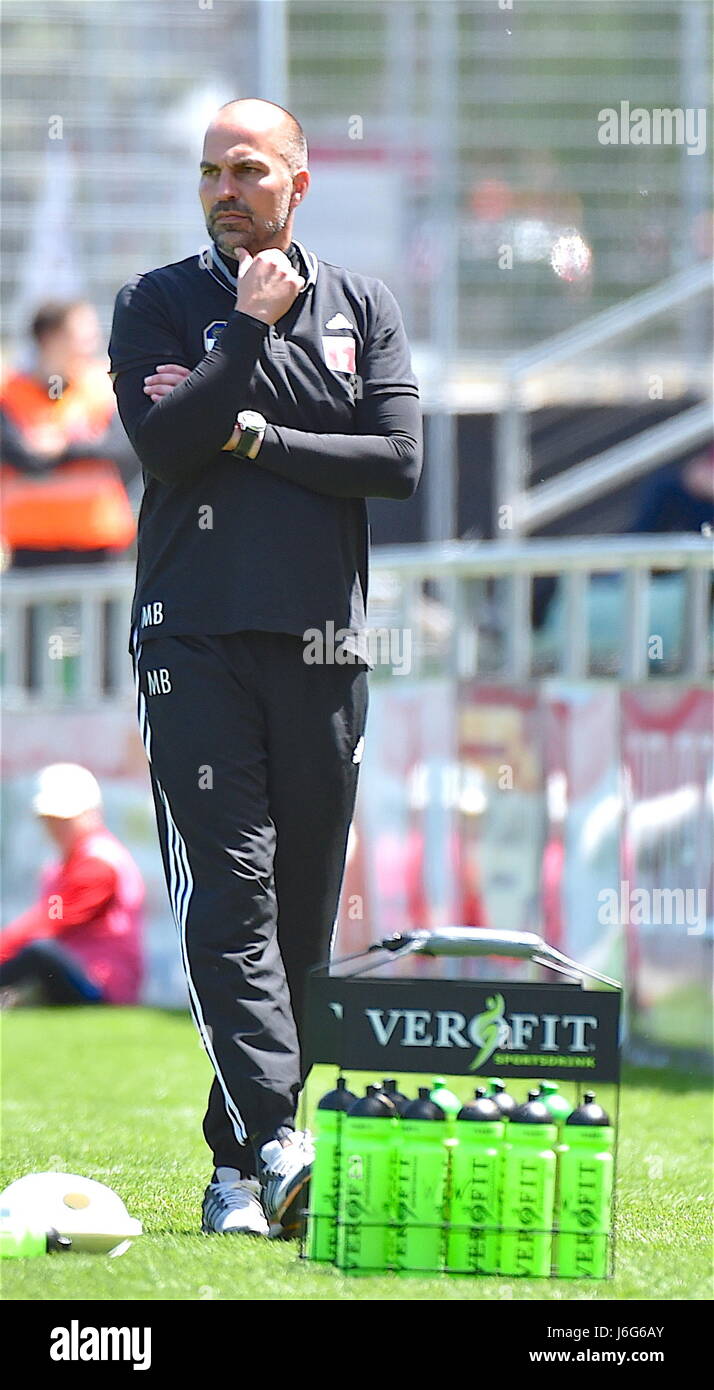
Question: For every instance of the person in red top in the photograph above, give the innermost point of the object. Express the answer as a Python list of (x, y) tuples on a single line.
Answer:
[(81, 941)]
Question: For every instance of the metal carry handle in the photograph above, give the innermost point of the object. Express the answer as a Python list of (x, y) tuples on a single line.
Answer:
[(480, 941)]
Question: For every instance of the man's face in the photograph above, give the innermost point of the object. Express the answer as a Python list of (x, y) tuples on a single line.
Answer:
[(699, 474), (60, 830), (75, 343), (246, 191)]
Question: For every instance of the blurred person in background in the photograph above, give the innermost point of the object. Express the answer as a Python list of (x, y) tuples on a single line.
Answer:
[(674, 499), (679, 497), (66, 462), (80, 942)]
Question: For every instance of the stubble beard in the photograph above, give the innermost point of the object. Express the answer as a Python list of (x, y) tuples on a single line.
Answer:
[(258, 235)]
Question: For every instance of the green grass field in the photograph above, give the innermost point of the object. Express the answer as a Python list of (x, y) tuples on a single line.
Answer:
[(118, 1095)]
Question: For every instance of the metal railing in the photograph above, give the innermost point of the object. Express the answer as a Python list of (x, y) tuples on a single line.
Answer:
[(65, 635), (484, 600), (529, 507), (463, 609)]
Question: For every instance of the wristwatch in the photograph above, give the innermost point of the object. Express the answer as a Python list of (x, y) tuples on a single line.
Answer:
[(252, 428)]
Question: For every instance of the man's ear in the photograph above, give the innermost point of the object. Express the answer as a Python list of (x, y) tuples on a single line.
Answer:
[(299, 193)]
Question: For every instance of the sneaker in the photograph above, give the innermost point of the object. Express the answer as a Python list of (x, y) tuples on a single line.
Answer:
[(284, 1169), (231, 1205)]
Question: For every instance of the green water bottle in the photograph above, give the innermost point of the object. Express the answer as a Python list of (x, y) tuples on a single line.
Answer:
[(324, 1185), (21, 1240), (558, 1106), (366, 1206), (586, 1180), (528, 1190), (421, 1173), (560, 1109), (399, 1101), (496, 1089), (474, 1208), (447, 1101)]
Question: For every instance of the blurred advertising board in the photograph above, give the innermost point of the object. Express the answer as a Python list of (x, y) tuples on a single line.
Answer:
[(581, 812), (666, 889)]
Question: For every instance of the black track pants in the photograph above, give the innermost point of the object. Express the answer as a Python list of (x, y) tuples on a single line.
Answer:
[(254, 758)]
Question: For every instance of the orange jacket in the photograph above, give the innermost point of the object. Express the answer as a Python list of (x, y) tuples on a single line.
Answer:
[(79, 505)]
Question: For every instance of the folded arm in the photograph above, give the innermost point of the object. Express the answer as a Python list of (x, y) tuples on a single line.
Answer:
[(382, 457), (178, 436), (383, 461)]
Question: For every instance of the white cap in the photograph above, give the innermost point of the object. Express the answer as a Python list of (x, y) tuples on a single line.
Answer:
[(90, 1213), (66, 790)]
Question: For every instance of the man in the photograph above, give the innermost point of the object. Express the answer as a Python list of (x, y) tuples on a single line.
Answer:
[(678, 498), (267, 394), (80, 943), (66, 463)]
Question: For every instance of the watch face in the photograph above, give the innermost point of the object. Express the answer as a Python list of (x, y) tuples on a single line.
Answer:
[(251, 420)]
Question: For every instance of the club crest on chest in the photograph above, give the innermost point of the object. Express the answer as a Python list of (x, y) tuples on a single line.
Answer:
[(212, 333), (339, 353)]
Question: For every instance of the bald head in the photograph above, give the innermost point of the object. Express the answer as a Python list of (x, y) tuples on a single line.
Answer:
[(267, 119), (253, 175)]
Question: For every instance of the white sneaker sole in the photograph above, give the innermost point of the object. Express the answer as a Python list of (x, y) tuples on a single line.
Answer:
[(236, 1231)]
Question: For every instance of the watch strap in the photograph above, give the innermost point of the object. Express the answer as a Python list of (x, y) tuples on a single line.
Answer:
[(250, 440)]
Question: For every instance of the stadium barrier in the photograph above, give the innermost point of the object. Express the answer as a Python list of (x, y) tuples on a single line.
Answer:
[(633, 607)]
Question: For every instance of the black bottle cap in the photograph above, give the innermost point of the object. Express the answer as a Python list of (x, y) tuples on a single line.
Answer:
[(589, 1113), (57, 1242), (339, 1099), (482, 1107), (374, 1103), (397, 1097), (501, 1098), (532, 1112), (423, 1108)]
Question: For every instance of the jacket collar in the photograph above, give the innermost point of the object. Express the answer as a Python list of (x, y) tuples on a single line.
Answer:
[(211, 260)]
